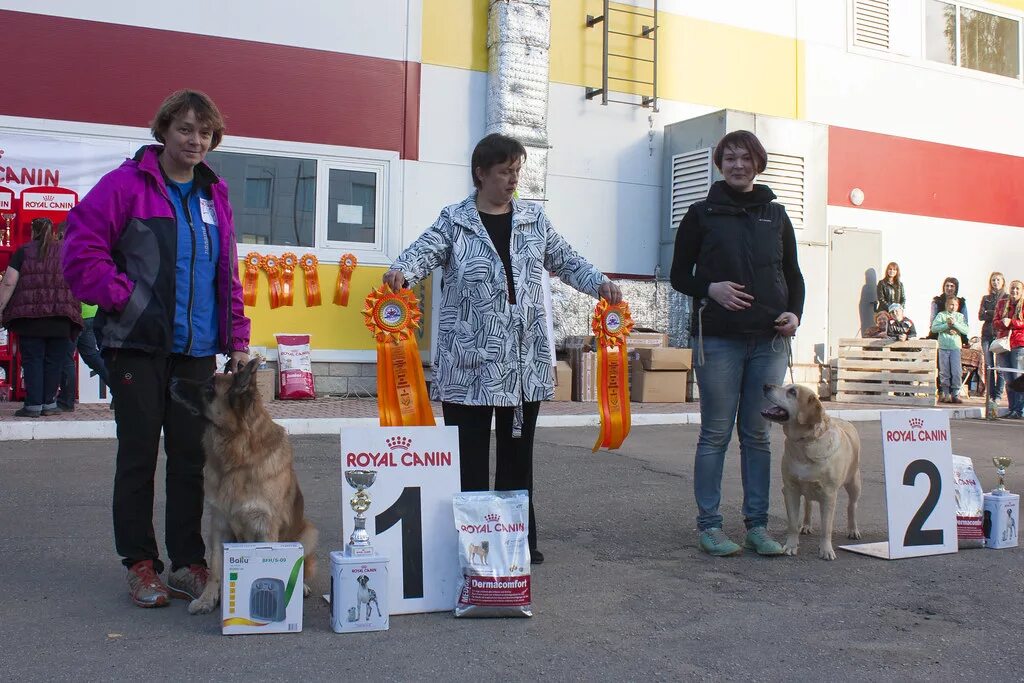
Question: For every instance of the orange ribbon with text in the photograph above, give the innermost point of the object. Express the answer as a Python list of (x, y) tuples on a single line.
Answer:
[(309, 266), (272, 267), (612, 325), (288, 263), (251, 279), (393, 318), (346, 265)]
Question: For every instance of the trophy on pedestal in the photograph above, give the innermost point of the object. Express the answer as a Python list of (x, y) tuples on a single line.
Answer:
[(1001, 511), (1001, 463), (359, 540), (5, 231)]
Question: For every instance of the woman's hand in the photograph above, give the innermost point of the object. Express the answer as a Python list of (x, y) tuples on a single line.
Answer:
[(786, 324), (611, 292), (730, 296), (394, 279)]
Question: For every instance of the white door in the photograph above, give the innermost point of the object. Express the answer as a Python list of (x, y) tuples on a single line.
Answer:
[(854, 261)]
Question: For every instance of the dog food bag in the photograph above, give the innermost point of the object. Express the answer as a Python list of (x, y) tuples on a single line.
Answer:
[(295, 367), (494, 553), (969, 504)]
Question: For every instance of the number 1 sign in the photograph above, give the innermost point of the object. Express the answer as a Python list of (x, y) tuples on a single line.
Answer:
[(410, 519), (917, 458)]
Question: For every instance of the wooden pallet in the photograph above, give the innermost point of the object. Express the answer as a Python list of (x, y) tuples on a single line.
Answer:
[(887, 371)]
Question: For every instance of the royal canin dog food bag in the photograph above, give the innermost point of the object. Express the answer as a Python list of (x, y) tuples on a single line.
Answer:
[(970, 502), (294, 367), (494, 554)]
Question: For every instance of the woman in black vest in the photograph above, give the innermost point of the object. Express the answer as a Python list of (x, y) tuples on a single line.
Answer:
[(37, 305), (735, 254)]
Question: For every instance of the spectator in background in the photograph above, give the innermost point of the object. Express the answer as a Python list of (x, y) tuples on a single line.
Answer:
[(89, 352), (881, 327), (901, 328), (37, 305), (890, 289), (948, 325), (950, 287), (1009, 320), (986, 313)]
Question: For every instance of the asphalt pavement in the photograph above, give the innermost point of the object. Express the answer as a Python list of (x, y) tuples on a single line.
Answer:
[(624, 593)]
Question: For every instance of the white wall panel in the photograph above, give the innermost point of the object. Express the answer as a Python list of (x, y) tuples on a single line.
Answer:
[(375, 29), (451, 113)]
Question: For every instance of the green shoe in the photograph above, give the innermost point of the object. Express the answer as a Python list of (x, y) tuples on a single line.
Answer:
[(713, 541), (758, 540)]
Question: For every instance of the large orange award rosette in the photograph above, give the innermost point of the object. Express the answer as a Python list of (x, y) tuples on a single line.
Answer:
[(393, 318), (272, 267), (612, 325), (346, 265), (251, 281), (288, 263), (309, 264)]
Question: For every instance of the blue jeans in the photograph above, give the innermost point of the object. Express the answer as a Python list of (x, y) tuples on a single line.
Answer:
[(89, 352), (41, 361), (731, 384), (1016, 398), (994, 383), (950, 371)]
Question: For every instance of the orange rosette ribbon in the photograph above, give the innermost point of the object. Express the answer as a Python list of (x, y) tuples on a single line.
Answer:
[(309, 265), (393, 318), (612, 325), (251, 281), (288, 263), (272, 267), (346, 265)]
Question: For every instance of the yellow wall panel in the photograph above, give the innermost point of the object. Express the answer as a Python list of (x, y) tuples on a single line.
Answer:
[(699, 61), (455, 33), (331, 326), (1013, 4)]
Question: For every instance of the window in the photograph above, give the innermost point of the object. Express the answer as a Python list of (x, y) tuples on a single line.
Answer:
[(273, 197), (352, 206), (963, 36)]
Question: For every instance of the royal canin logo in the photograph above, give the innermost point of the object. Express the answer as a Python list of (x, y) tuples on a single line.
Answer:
[(398, 443), (916, 433)]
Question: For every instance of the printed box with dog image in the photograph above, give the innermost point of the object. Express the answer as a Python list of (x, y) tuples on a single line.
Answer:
[(359, 593), (262, 588)]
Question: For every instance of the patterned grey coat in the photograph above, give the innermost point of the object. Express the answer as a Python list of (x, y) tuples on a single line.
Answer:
[(491, 352)]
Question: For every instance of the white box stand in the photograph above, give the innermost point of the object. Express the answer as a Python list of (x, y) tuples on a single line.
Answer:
[(359, 593), (1001, 520)]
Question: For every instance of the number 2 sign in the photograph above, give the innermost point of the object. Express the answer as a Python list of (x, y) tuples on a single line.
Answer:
[(917, 457), (410, 519)]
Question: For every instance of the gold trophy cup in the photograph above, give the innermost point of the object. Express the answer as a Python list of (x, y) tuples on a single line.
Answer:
[(5, 231), (359, 541), (1001, 463)]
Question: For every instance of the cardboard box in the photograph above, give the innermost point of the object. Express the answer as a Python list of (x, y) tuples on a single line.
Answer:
[(584, 377), (563, 381), (261, 590), (656, 386), (266, 382), (645, 337), (359, 593), (665, 358)]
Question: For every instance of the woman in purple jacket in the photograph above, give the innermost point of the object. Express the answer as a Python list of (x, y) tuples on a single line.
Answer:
[(153, 244)]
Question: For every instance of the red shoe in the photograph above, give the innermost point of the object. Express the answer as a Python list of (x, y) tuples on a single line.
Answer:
[(188, 583), (145, 587)]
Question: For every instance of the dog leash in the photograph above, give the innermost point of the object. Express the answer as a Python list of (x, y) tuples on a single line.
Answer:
[(788, 341)]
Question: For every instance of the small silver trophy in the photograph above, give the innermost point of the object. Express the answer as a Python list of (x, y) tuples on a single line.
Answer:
[(359, 541), (1001, 463)]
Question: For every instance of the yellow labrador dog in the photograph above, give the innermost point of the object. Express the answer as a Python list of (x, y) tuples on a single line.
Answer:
[(822, 454), (251, 488)]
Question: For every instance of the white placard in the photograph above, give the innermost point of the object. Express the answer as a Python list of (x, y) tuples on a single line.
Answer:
[(410, 519), (5, 201), (350, 214)]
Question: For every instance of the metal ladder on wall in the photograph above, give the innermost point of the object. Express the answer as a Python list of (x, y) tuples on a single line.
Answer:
[(646, 33)]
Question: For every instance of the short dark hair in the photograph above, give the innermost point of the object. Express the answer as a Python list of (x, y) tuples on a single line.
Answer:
[(179, 103), (743, 139), (494, 149)]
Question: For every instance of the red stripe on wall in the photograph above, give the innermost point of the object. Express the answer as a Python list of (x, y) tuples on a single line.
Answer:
[(70, 69), (901, 175)]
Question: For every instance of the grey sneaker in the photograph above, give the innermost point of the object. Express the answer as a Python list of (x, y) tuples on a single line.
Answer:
[(187, 583), (713, 541), (759, 541), (145, 587)]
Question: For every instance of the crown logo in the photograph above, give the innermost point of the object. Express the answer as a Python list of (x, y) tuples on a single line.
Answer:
[(916, 422), (48, 197), (396, 443), (492, 517)]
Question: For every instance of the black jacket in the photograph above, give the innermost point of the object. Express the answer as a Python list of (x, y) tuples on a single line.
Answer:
[(745, 238)]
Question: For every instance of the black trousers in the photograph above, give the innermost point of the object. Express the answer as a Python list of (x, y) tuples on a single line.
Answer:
[(514, 467), (140, 383)]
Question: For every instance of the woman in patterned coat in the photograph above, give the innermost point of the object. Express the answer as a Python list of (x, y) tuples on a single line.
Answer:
[(493, 354)]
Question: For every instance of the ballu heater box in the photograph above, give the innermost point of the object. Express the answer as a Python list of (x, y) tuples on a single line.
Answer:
[(261, 589)]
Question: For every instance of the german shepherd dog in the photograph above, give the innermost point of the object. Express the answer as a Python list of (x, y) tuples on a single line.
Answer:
[(251, 488)]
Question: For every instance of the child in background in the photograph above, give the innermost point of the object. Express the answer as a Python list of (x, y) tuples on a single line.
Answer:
[(948, 326), (881, 327), (900, 327)]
